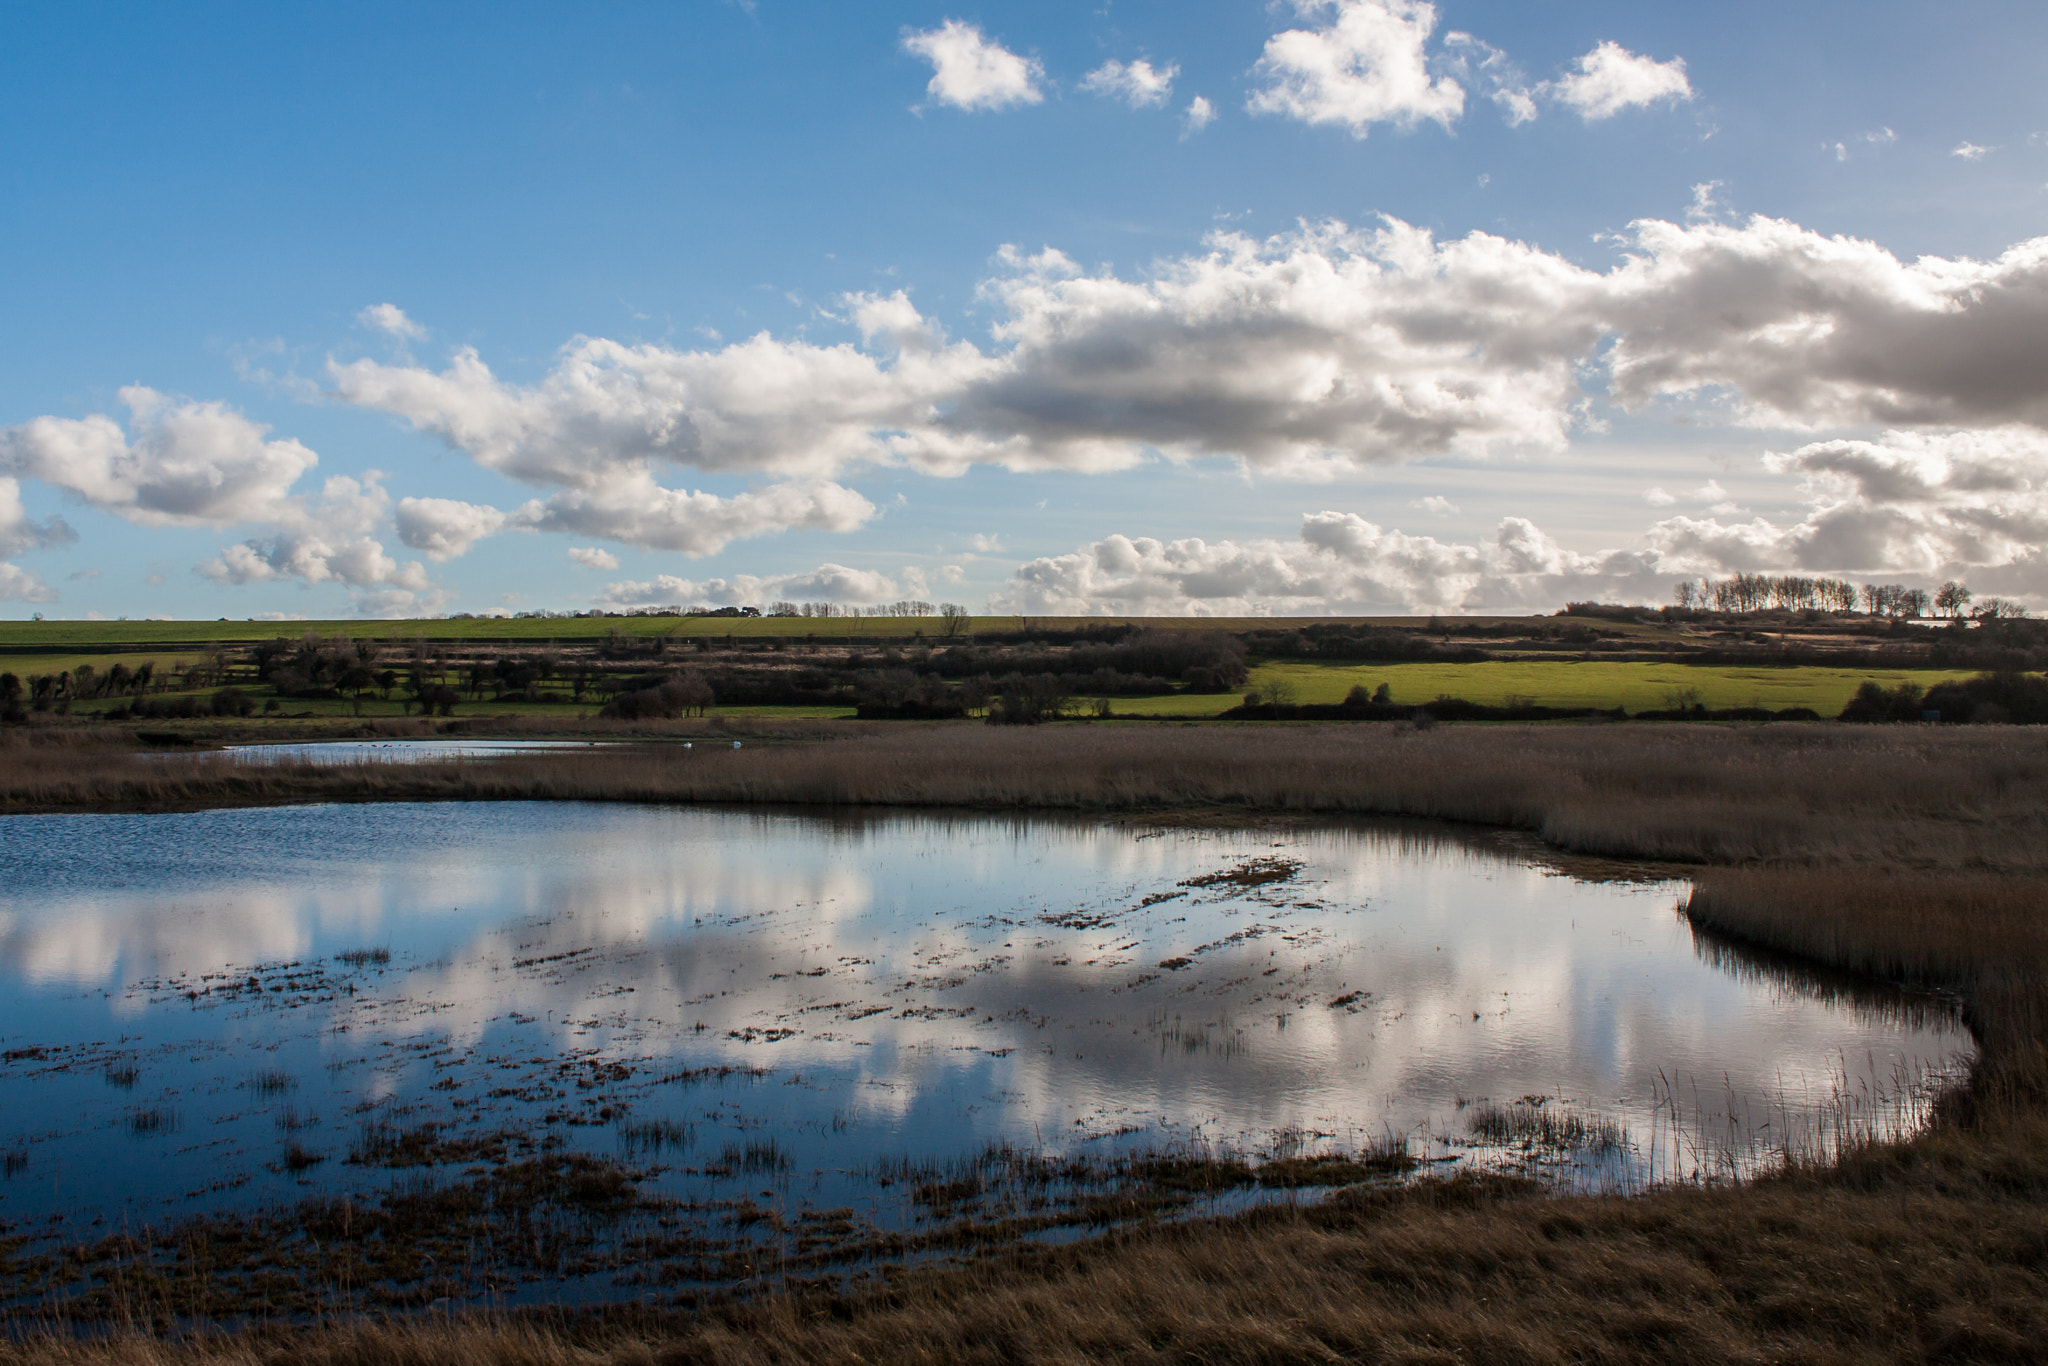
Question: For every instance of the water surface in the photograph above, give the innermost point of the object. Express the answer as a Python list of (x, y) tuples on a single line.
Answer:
[(756, 1005)]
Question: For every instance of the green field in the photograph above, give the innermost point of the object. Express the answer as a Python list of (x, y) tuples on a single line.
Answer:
[(81, 636), (1557, 683)]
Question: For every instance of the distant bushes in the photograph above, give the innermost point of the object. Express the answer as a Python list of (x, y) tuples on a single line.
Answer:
[(1360, 705), (684, 694), (1991, 698), (1027, 701)]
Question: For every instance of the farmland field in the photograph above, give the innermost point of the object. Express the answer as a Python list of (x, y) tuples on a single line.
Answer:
[(1557, 683)]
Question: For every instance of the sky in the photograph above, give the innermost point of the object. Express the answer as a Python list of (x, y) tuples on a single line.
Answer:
[(1205, 307)]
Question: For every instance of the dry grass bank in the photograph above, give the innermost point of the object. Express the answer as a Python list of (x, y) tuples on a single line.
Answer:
[(1805, 794), (1914, 854)]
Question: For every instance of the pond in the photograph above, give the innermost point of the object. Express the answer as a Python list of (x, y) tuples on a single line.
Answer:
[(861, 1035), (402, 751)]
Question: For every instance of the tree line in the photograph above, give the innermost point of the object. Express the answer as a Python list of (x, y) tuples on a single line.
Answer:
[(1795, 593)]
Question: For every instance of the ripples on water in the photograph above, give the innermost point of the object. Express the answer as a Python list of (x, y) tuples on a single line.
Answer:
[(228, 1010)]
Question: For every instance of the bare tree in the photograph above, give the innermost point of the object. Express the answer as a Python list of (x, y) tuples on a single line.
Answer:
[(1950, 599)]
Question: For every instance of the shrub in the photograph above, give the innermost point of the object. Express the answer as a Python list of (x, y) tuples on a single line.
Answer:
[(232, 702), (1874, 702), (678, 695)]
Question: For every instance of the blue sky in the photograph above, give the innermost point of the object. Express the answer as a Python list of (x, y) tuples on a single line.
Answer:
[(327, 310)]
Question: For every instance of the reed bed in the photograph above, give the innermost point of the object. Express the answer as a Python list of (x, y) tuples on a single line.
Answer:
[(1906, 853), (1806, 794)]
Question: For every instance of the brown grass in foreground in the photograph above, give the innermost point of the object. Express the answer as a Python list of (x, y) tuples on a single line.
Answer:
[(1912, 854)]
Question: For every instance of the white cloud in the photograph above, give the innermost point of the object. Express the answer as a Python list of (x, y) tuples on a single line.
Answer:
[(1437, 505), (1492, 73), (187, 464), (970, 72), (1969, 151), (391, 319), (1809, 331), (1932, 504), (641, 513), (1341, 565), (19, 531), (443, 527), (609, 410), (398, 602), (1367, 64), (826, 583), (1139, 84), (204, 464), (1610, 79), (22, 585), (1199, 115), (593, 557), (326, 540), (1913, 505), (1311, 353)]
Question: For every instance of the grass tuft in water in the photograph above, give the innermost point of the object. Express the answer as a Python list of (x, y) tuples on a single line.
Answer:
[(273, 1082), (153, 1119), (363, 958), (654, 1135), (298, 1159), (1535, 1125)]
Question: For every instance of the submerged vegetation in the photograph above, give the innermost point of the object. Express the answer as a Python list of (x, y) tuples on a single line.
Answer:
[(1913, 854)]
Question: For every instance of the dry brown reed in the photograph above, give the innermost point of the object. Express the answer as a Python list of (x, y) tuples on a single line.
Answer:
[(1805, 794), (1913, 854)]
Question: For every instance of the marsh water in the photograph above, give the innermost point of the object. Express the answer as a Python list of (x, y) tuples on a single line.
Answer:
[(408, 751), (225, 1011)]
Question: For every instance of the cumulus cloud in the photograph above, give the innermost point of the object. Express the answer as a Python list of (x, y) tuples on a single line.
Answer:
[(323, 540), (1969, 151), (1610, 79), (19, 531), (593, 557), (826, 583), (444, 527), (970, 72), (205, 464), (1365, 64), (1199, 115), (22, 585), (177, 464), (642, 513), (1931, 504), (607, 409), (1341, 564), (1310, 353), (1922, 506), (391, 319), (1138, 84), (1806, 330)]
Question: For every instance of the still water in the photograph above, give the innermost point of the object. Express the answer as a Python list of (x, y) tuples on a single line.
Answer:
[(224, 1010), (400, 751)]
